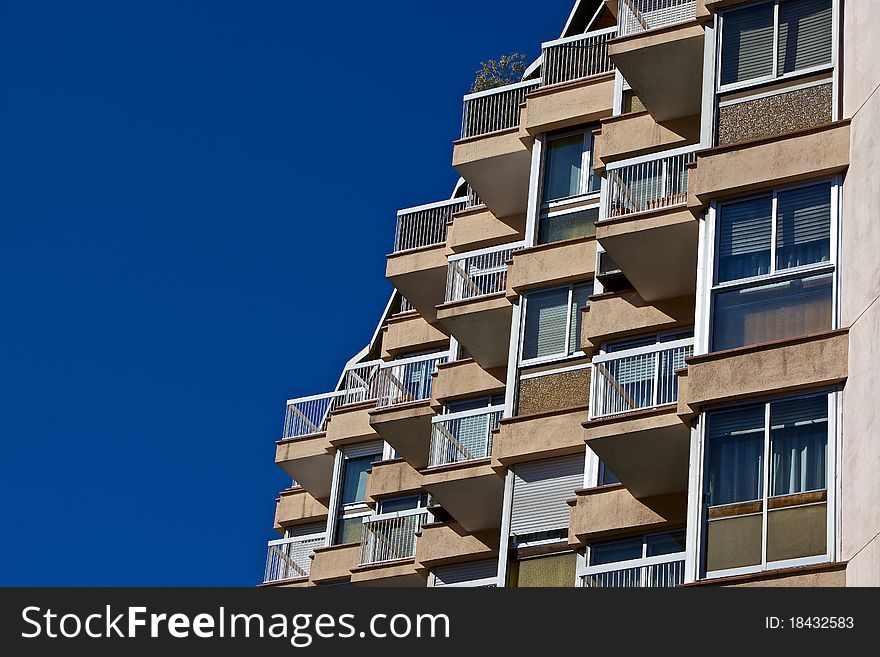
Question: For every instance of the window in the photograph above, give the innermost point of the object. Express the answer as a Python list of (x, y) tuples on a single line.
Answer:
[(568, 167), (552, 325), (556, 226), (774, 270), (775, 39), (606, 477), (355, 466), (650, 560), (766, 479), (555, 570)]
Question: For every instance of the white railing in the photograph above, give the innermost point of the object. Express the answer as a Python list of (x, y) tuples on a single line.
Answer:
[(643, 15), (308, 415), (493, 110), (359, 383), (648, 185), (464, 436), (289, 558), (478, 273), (406, 380), (637, 378), (473, 199), (577, 57), (425, 225), (390, 537), (653, 572)]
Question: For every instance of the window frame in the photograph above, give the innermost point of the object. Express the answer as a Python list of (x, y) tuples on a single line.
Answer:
[(774, 275), (351, 510), (587, 152), (559, 356), (832, 482), (773, 77)]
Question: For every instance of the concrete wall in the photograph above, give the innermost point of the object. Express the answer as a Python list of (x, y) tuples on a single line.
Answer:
[(860, 289)]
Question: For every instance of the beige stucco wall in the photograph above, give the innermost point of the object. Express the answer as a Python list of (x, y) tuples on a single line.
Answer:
[(760, 370), (478, 228), (351, 424), (533, 437), (335, 562), (604, 511), (551, 264), (465, 378), (409, 332), (298, 506), (860, 289), (612, 316), (569, 104), (637, 133), (448, 543), (392, 478)]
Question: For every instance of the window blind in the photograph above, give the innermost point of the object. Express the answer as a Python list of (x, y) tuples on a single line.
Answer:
[(546, 317), (579, 300), (803, 233), (744, 242), (804, 35), (540, 491), (747, 43), (465, 572)]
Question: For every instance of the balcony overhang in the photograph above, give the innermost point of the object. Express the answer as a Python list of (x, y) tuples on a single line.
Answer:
[(442, 544), (351, 424), (619, 315), (656, 251), (610, 510), (744, 167), (637, 133), (472, 492), (781, 367), (461, 379), (334, 563), (556, 263), (420, 276), (297, 506), (309, 460), (647, 450), (391, 478), (402, 573), (496, 166), (566, 105), (477, 228), (408, 333), (477, 324), (407, 428), (538, 436), (664, 67)]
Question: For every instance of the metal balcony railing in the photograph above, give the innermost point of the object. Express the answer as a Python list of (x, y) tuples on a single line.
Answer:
[(406, 380), (390, 537), (653, 572), (425, 225), (464, 436), (642, 15), (359, 383), (289, 558), (478, 273), (638, 378), (577, 57), (494, 110), (648, 185)]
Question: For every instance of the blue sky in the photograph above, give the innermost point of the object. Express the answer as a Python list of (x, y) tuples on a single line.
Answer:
[(196, 198)]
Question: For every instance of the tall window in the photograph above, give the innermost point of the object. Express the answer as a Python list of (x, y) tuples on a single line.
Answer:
[(766, 479), (774, 266), (568, 177), (553, 322), (352, 505), (775, 39)]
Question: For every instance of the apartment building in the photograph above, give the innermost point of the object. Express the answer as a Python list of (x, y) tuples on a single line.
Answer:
[(639, 344)]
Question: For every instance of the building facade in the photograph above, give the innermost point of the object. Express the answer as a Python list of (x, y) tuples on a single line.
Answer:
[(639, 345)]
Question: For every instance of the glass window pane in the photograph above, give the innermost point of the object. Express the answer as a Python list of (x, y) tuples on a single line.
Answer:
[(615, 551), (562, 176), (557, 570), (349, 530), (400, 504), (747, 43), (804, 35), (568, 226), (799, 445), (354, 479), (803, 226), (777, 311), (745, 231), (736, 448), (606, 477), (546, 318), (733, 542), (579, 300), (796, 532), (668, 543)]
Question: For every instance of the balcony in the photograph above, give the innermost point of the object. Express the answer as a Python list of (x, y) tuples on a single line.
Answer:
[(555, 263), (417, 267), (402, 416), (291, 558), (613, 510), (538, 436), (659, 51), (624, 314), (392, 479), (775, 161), (648, 230), (489, 154), (652, 572), (449, 543), (304, 452), (462, 379), (390, 537), (577, 84), (464, 436), (633, 426), (410, 332), (297, 505), (476, 310), (637, 134), (477, 228)]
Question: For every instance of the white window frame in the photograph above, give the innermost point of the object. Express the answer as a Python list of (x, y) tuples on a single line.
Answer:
[(832, 488), (337, 511), (586, 168), (712, 288), (773, 77), (584, 567), (560, 356)]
